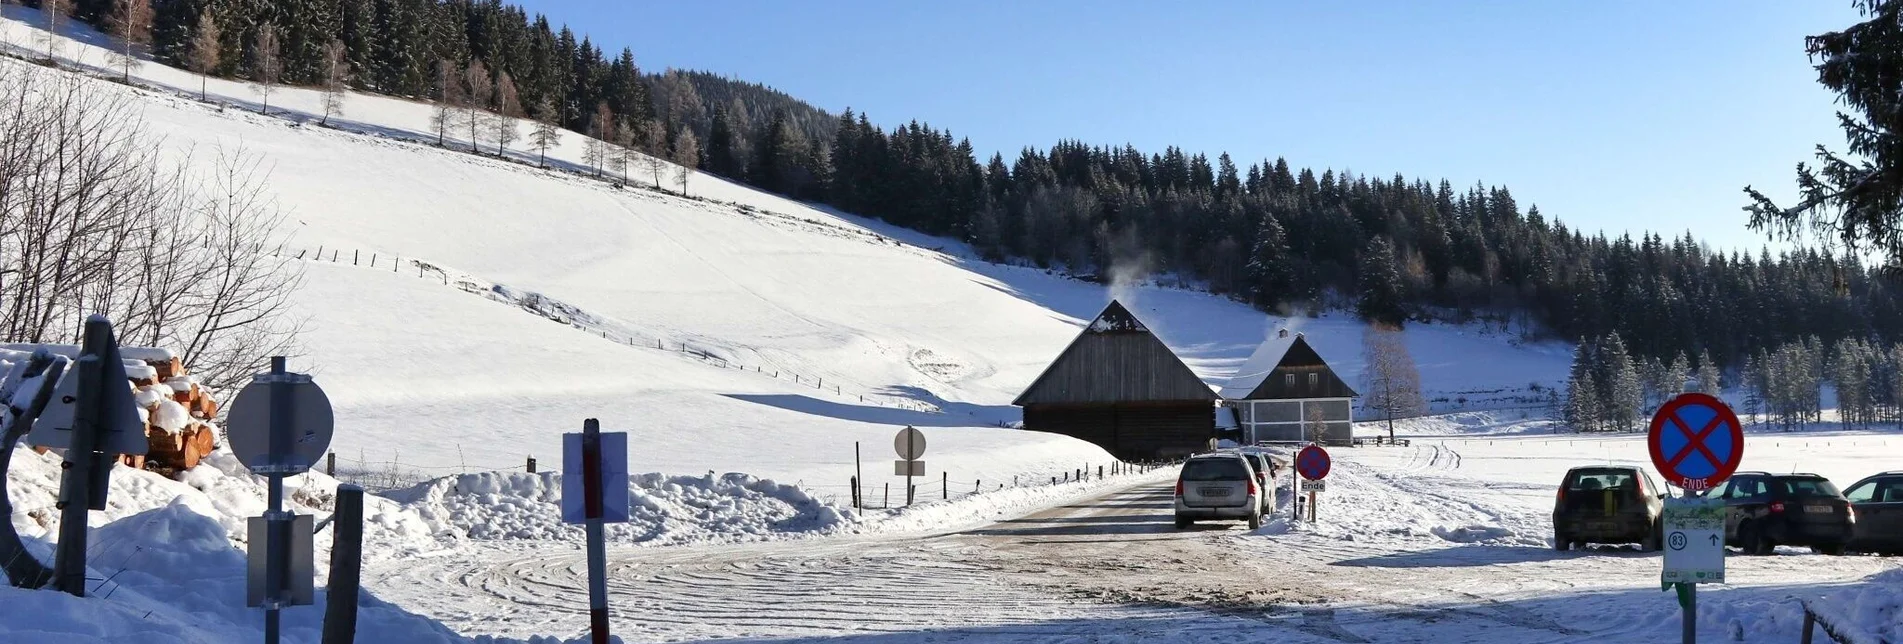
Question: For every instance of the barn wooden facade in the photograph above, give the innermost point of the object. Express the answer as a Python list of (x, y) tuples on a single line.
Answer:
[(1285, 392), (1120, 387)]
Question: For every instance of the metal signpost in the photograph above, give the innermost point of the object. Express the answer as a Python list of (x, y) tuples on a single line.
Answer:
[(910, 444), (594, 492), (279, 426), (1313, 464), (92, 416), (1696, 442)]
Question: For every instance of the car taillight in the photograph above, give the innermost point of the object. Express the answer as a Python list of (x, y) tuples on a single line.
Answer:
[(1252, 488), (1777, 506), (1562, 495), (1179, 487)]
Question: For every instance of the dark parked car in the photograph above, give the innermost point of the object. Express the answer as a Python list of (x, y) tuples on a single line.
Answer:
[(1607, 504), (1764, 511), (1878, 502), (1218, 486)]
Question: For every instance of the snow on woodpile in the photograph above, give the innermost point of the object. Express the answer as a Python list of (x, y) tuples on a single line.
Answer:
[(664, 510)]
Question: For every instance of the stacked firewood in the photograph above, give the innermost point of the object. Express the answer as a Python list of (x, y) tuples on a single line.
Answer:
[(178, 414)]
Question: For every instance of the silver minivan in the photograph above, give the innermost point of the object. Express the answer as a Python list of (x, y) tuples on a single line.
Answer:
[(1218, 486)]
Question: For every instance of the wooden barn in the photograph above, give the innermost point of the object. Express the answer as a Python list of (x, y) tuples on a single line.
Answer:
[(1285, 392), (1120, 387)]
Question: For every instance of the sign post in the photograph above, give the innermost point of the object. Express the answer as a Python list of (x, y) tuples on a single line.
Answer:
[(92, 415), (594, 492), (1696, 442), (1313, 463), (910, 444), (279, 426)]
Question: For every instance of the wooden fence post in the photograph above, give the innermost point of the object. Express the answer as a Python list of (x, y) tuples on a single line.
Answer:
[(354, 256), (330, 464), (531, 465), (944, 485)]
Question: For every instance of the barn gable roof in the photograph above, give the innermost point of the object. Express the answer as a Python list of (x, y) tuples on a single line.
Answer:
[(1115, 359), (1285, 350)]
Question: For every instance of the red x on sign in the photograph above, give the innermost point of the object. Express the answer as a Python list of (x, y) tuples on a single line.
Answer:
[(1696, 441)]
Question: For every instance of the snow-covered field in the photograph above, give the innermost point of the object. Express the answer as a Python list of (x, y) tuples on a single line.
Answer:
[(466, 310)]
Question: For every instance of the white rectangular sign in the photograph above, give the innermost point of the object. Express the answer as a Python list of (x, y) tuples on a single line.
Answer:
[(1315, 486), (614, 479), (1694, 541), (908, 468)]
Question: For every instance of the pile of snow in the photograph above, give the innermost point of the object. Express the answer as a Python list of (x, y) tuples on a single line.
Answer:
[(1414, 508), (663, 510), (990, 506)]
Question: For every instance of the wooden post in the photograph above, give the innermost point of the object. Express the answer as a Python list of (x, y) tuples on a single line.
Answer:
[(330, 464), (354, 256), (888, 494), (346, 567), (858, 474), (333, 255), (944, 485), (373, 260), (531, 465), (855, 493), (1099, 471)]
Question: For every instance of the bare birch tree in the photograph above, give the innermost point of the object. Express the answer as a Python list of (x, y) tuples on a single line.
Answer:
[(449, 90), (476, 90), (1393, 383), (336, 80), (601, 130), (547, 134), (686, 155), (131, 21), (508, 109), (266, 65), (654, 149), (55, 12), (205, 54)]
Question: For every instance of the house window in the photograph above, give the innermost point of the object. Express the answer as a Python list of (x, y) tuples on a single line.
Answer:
[(1314, 379), (1291, 380)]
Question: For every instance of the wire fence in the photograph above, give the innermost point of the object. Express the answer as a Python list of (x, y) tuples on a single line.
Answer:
[(591, 324), (944, 488)]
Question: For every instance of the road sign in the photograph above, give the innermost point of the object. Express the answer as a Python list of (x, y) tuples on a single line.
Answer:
[(614, 479), (298, 582), (1313, 462), (124, 431), (910, 443), (248, 424), (908, 468), (1696, 441), (1316, 485), (1694, 541)]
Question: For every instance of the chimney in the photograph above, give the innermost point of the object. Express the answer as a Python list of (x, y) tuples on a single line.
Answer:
[(1282, 333)]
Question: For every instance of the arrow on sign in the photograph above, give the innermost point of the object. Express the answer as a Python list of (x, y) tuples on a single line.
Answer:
[(1714, 539)]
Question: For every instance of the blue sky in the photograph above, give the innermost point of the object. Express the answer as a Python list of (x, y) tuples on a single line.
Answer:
[(1611, 115)]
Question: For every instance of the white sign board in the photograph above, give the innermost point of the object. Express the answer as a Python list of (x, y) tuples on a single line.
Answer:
[(1318, 485), (124, 430), (910, 444), (1694, 541), (908, 468), (614, 479)]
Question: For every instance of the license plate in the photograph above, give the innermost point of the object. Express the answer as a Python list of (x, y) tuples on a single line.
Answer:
[(1819, 509), (1213, 491)]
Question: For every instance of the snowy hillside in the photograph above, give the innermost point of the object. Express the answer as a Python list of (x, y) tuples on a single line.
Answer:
[(786, 333)]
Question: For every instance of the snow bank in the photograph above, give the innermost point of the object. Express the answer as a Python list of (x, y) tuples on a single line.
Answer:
[(988, 507), (663, 510)]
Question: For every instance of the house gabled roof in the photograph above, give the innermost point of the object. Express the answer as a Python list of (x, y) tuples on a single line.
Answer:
[(1257, 368), (1275, 353), (1115, 359)]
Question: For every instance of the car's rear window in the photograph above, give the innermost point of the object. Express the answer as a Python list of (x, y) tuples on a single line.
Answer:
[(1257, 461), (1807, 487), (1589, 480), (1214, 469)]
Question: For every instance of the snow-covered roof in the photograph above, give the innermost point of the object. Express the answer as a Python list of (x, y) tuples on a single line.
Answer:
[(1258, 366)]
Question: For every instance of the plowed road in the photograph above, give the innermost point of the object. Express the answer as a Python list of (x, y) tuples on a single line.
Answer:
[(1111, 569)]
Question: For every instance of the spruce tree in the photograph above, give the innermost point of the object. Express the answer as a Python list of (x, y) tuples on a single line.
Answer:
[(1268, 271), (1381, 290), (1623, 394), (1583, 408)]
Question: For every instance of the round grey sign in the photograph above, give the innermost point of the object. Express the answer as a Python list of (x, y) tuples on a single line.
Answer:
[(248, 427), (910, 444)]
